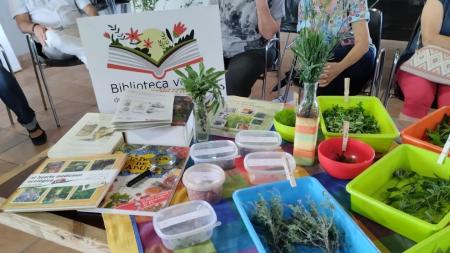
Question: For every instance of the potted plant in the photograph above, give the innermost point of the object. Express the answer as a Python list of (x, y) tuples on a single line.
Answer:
[(204, 88), (312, 49)]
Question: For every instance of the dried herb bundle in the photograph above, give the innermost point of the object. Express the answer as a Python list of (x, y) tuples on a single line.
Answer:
[(424, 197), (305, 226), (440, 134), (361, 121)]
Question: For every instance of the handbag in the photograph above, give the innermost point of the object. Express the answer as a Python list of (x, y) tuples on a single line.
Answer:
[(431, 63)]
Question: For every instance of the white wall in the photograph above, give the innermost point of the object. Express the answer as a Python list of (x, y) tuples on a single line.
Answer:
[(14, 35)]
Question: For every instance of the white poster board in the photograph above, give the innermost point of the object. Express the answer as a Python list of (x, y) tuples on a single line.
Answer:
[(15, 65), (141, 50)]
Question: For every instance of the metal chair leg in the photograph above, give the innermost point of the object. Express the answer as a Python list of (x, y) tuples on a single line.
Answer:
[(35, 63), (391, 78), (289, 81), (10, 116), (49, 96)]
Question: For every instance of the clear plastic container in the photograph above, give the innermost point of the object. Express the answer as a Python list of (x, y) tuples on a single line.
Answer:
[(186, 224), (249, 141), (264, 167), (221, 153), (204, 182)]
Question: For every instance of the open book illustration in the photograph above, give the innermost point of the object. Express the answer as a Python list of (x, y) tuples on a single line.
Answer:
[(153, 51)]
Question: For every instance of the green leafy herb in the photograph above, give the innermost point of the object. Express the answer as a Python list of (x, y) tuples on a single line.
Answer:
[(361, 121), (424, 197), (439, 250), (286, 117), (440, 134), (305, 226)]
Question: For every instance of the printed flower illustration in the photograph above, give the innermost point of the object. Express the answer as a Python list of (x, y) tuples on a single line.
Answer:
[(133, 35), (178, 29), (148, 43), (106, 35)]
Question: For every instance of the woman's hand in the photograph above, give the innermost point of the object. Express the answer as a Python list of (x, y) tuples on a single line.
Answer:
[(329, 73), (39, 32)]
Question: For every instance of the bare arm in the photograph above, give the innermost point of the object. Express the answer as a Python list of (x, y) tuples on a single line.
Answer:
[(267, 26), (26, 26), (431, 23), (90, 10)]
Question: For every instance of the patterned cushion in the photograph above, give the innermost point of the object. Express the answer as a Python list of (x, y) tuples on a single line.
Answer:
[(431, 63)]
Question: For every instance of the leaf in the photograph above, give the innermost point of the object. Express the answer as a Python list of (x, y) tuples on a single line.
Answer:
[(169, 35)]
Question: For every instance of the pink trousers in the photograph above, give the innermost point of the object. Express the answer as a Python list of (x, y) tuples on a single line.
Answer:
[(420, 93)]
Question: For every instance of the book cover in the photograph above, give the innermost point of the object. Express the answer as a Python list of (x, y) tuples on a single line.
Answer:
[(241, 113), (91, 135), (66, 184), (150, 194)]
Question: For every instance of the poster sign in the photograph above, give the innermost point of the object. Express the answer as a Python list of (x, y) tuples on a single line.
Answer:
[(141, 50)]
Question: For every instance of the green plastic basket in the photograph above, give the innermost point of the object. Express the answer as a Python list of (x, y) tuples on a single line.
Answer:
[(380, 142), (440, 240), (366, 189)]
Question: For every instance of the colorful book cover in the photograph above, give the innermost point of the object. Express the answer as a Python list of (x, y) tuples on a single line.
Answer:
[(243, 114), (152, 193), (66, 184)]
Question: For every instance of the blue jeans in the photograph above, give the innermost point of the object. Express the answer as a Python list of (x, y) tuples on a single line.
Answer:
[(12, 95)]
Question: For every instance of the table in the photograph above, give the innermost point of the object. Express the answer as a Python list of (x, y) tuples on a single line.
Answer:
[(79, 231)]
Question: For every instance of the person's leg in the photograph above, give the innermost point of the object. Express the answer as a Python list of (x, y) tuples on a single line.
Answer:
[(243, 71), (12, 95), (419, 94), (359, 73), (443, 95), (66, 41)]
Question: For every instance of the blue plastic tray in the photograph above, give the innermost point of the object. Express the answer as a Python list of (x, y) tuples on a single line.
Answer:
[(308, 189)]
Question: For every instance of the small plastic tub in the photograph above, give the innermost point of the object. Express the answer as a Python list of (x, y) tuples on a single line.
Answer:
[(221, 153), (186, 224), (264, 167), (204, 182), (249, 141)]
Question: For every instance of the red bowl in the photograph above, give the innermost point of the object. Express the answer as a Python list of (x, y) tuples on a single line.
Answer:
[(328, 151)]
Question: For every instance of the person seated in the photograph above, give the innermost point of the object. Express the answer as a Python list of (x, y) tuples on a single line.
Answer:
[(53, 24), (246, 27), (354, 55), (12, 95), (419, 93)]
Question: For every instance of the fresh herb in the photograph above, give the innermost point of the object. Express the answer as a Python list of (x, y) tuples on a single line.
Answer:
[(361, 121), (286, 117), (426, 198), (440, 134), (305, 226)]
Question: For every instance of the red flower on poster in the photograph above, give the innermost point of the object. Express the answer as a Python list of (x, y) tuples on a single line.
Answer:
[(178, 29), (148, 43), (133, 35)]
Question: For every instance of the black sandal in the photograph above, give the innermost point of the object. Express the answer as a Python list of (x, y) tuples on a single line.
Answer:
[(38, 140)]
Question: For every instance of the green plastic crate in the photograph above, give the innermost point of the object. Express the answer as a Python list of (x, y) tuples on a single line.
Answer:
[(440, 240), (365, 190), (380, 142)]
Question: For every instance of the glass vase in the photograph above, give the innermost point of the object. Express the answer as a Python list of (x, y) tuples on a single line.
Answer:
[(201, 129), (306, 126)]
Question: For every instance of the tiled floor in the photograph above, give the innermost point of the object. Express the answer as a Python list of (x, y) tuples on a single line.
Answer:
[(73, 96)]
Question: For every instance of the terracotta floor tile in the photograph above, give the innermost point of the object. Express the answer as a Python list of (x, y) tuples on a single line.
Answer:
[(47, 246), (9, 139), (23, 152), (14, 241), (6, 166)]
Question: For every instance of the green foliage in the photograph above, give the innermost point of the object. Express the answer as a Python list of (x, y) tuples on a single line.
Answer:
[(234, 119), (199, 84), (314, 44), (440, 134), (145, 5), (305, 226), (439, 250), (361, 122), (286, 117), (424, 197)]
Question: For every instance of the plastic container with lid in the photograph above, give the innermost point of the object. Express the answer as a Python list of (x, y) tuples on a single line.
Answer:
[(186, 224), (204, 182), (250, 141), (264, 167), (221, 153)]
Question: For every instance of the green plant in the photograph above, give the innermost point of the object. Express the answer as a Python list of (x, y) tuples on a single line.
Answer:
[(286, 117), (145, 5), (315, 42), (440, 134), (199, 84), (361, 121)]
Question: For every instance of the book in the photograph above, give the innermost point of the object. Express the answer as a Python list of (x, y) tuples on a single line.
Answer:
[(143, 108), (241, 113), (91, 135), (178, 134), (66, 184), (150, 194)]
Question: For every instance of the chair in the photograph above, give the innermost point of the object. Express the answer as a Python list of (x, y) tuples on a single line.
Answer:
[(276, 66), (40, 62), (410, 48), (375, 30), (12, 72)]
